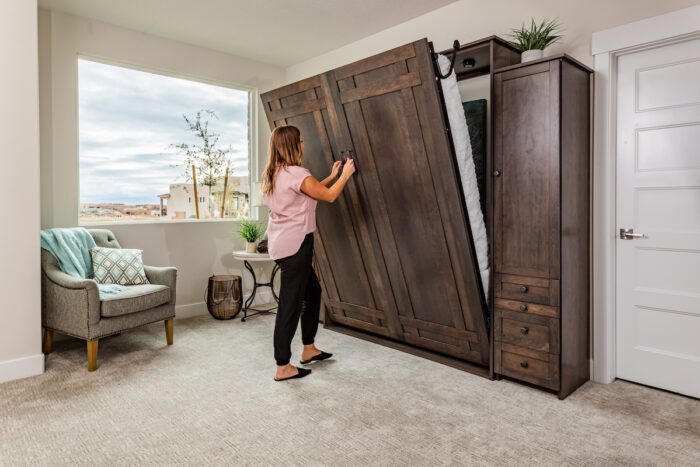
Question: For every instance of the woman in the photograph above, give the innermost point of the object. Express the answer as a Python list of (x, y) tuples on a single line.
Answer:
[(291, 193)]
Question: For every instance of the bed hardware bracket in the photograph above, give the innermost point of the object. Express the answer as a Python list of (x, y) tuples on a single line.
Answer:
[(348, 156), (455, 48)]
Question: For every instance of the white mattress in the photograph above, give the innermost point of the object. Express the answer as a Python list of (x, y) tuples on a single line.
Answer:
[(465, 161)]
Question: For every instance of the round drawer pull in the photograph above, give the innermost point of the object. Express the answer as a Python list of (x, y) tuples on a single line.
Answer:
[(523, 307), (523, 289), (524, 330), (523, 364), (496, 173)]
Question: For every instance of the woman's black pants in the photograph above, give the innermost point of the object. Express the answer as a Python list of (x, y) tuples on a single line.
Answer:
[(300, 296)]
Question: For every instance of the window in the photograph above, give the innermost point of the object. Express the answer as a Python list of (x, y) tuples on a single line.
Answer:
[(140, 135)]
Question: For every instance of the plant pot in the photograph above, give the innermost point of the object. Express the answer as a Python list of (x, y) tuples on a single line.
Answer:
[(250, 247), (529, 55)]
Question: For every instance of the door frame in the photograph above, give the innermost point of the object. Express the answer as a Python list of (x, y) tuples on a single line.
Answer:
[(606, 46)]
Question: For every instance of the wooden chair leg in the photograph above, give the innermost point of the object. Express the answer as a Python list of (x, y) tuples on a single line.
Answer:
[(169, 330), (92, 354), (48, 341)]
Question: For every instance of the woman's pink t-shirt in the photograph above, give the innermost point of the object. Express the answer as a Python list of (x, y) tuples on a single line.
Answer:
[(292, 213)]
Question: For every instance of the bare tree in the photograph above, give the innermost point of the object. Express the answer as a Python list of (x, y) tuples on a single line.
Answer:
[(210, 161)]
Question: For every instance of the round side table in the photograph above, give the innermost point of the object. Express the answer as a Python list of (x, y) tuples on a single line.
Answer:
[(247, 258)]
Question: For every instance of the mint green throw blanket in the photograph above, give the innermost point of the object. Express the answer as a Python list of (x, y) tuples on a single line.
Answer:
[(71, 248)]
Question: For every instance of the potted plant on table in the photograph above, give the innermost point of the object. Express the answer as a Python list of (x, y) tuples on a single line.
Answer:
[(251, 232), (532, 42)]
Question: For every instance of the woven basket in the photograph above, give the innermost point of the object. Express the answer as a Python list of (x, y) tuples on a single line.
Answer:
[(223, 296)]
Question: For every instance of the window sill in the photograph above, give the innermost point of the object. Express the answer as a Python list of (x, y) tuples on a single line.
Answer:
[(160, 222)]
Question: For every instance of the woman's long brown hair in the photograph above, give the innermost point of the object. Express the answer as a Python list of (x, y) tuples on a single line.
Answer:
[(285, 150)]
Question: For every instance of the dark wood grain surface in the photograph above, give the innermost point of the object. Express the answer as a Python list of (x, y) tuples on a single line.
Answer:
[(526, 209), (349, 274), (575, 226), (527, 329), (535, 367), (396, 251), (541, 223)]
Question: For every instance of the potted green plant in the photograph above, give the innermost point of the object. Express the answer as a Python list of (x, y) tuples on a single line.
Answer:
[(250, 231), (532, 42)]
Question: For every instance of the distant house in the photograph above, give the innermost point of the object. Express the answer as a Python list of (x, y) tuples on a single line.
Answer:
[(181, 200), (163, 211)]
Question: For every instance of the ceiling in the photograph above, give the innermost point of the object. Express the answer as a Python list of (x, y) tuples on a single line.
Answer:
[(278, 32)]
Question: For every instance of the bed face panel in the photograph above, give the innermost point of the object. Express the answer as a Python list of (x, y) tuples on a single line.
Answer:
[(404, 206), (355, 291)]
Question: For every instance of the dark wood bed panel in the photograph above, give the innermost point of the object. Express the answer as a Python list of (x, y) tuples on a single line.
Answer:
[(395, 253)]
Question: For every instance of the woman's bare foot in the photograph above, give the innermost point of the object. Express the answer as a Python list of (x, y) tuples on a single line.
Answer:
[(309, 352), (286, 371)]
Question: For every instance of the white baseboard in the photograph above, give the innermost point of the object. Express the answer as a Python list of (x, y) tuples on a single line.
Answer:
[(191, 310), (21, 368)]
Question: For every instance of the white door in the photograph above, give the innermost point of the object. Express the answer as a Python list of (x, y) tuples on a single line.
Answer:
[(658, 195)]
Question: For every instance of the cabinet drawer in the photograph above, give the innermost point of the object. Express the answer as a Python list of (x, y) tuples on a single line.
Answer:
[(527, 330), (534, 367), (527, 289), (530, 308)]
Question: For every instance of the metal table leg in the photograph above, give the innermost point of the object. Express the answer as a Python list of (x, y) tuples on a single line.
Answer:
[(249, 301)]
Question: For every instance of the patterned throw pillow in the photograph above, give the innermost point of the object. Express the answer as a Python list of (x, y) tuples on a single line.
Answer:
[(116, 266)]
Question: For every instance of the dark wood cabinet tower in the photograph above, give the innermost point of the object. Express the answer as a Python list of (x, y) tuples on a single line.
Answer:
[(540, 223)]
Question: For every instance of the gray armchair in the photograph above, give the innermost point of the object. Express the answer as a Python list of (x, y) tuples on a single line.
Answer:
[(72, 306)]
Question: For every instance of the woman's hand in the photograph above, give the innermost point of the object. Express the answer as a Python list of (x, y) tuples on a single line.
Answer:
[(334, 174), (336, 169), (349, 168), (319, 191)]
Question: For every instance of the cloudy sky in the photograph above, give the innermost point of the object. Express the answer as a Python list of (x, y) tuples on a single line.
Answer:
[(129, 118)]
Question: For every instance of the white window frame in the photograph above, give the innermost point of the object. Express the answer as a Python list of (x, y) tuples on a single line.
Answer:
[(253, 109)]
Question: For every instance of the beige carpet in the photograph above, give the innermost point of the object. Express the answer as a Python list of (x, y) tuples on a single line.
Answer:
[(210, 399)]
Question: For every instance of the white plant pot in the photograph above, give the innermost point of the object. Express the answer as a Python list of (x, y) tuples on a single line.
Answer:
[(530, 55), (250, 247)]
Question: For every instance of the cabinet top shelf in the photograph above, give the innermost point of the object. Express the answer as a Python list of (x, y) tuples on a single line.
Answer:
[(549, 58), (479, 57), (484, 42)]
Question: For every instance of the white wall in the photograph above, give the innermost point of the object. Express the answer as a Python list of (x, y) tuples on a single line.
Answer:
[(20, 306), (197, 249), (469, 20)]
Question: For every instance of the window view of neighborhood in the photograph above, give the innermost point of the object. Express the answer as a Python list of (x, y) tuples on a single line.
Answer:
[(155, 147)]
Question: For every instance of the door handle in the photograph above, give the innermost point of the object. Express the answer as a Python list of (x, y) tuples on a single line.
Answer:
[(354, 159), (347, 156), (628, 234)]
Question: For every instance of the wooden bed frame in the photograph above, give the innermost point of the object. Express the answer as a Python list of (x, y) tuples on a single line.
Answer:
[(394, 254)]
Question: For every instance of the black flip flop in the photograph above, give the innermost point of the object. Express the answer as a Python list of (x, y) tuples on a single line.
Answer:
[(302, 372), (321, 356)]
